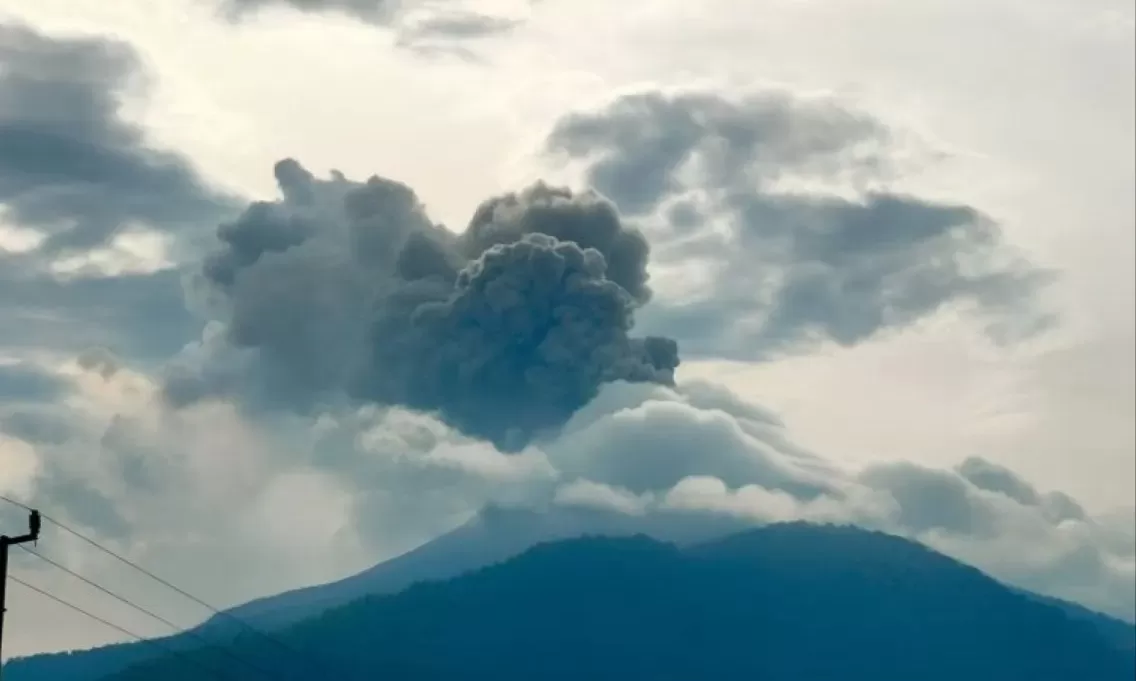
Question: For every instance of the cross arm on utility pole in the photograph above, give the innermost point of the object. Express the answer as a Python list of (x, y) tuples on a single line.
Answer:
[(32, 535), (6, 542)]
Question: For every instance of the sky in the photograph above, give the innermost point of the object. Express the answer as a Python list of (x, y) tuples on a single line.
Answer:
[(288, 287)]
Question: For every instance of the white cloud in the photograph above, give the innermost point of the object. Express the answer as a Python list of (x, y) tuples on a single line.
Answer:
[(20, 466), (142, 251), (588, 494), (1033, 540), (656, 443)]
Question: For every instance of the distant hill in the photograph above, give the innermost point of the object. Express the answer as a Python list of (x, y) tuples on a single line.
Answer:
[(1121, 634), (494, 535), (784, 602)]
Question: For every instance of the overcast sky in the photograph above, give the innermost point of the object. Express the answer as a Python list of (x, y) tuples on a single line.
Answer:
[(904, 229)]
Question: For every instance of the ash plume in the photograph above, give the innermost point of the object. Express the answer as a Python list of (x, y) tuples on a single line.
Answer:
[(347, 290)]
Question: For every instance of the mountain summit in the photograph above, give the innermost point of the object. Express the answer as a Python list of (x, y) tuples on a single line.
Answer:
[(494, 535)]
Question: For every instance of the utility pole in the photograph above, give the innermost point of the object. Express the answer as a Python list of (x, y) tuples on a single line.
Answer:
[(5, 543)]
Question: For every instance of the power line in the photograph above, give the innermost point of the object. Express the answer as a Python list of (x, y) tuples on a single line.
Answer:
[(122, 630), (149, 574), (177, 628), (16, 503), (317, 663)]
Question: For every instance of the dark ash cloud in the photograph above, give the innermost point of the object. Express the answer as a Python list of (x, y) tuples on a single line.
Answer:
[(790, 268), (347, 289), (557, 212), (70, 165)]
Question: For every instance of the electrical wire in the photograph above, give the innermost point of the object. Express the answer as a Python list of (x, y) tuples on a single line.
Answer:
[(177, 628), (316, 663), (122, 630)]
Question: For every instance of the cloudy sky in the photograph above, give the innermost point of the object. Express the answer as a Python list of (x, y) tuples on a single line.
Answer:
[(282, 269)]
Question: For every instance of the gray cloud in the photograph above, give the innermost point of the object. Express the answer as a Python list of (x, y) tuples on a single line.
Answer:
[(462, 25), (641, 143), (790, 268), (371, 11), (25, 382), (930, 499), (36, 425), (453, 33), (989, 476), (140, 316), (70, 165), (344, 288), (420, 25), (58, 489), (74, 170)]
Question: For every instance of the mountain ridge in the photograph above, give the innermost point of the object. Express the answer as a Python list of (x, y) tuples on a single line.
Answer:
[(786, 601), (521, 528)]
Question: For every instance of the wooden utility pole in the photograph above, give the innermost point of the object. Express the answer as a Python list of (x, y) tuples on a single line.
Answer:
[(5, 543)]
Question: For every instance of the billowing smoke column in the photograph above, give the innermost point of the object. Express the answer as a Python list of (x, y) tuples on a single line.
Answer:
[(348, 289)]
